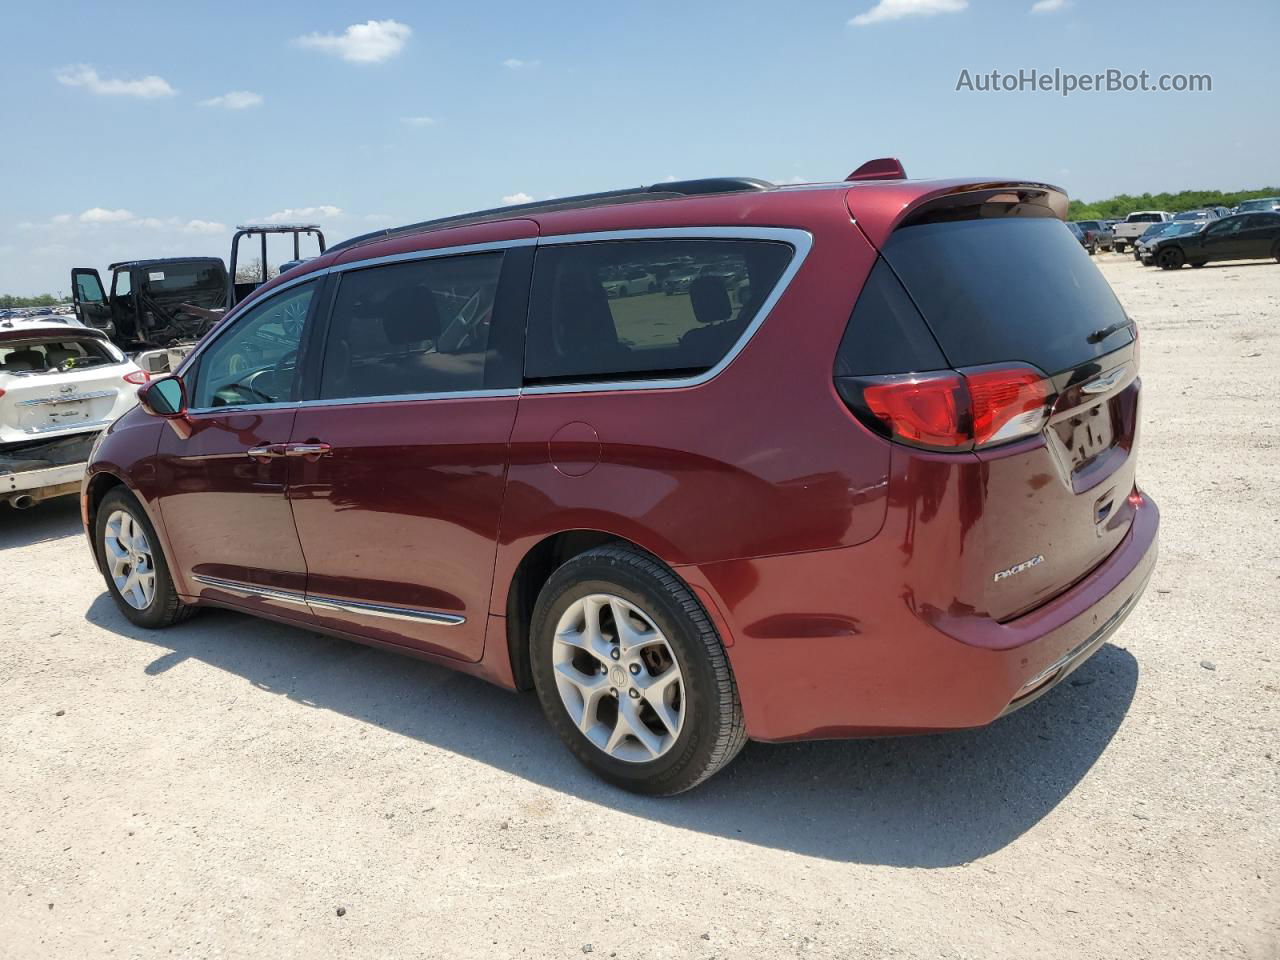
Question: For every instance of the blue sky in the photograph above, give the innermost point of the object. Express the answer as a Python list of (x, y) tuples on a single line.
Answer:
[(148, 129)]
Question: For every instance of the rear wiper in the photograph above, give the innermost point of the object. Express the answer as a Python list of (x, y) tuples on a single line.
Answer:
[(1099, 335)]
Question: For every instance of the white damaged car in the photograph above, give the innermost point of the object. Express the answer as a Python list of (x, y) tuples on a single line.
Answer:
[(61, 384)]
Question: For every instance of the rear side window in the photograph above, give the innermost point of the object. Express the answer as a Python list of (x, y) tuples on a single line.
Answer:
[(642, 308), (412, 328), (1008, 289), (886, 333)]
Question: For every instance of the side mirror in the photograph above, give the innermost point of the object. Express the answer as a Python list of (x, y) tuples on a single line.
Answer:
[(166, 397)]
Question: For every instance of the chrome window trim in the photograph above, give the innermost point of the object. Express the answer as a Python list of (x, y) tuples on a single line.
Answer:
[(233, 408), (801, 241), (491, 246), (410, 397), (329, 603)]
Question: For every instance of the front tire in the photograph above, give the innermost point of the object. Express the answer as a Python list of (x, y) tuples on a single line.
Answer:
[(133, 565), (1171, 259), (1275, 251), (632, 675)]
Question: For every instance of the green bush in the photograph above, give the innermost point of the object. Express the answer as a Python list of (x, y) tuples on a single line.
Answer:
[(42, 300)]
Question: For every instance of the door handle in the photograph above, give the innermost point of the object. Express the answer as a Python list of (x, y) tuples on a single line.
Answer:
[(266, 452), (307, 450)]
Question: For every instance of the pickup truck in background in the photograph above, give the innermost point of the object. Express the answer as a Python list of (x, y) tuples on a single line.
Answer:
[(1126, 233)]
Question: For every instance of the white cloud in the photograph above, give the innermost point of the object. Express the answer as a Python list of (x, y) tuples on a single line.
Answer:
[(897, 9), (61, 218), (204, 226), (297, 214), (146, 88), (371, 42), (101, 215), (1048, 6), (511, 63), (235, 100), (520, 197), (418, 121)]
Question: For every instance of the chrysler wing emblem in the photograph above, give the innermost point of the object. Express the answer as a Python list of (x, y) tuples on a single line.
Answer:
[(1105, 382)]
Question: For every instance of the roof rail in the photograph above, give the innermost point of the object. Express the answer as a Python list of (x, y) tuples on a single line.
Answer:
[(657, 191)]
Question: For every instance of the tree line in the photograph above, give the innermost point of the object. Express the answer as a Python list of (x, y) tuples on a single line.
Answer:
[(1120, 206), (40, 300)]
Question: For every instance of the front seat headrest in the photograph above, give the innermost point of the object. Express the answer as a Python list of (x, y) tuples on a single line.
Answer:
[(409, 315)]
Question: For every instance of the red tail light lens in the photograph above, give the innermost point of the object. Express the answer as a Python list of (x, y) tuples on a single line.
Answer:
[(138, 377), (955, 410), (1007, 404), (928, 410)]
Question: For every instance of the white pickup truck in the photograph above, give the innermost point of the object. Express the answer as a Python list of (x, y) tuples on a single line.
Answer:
[(1135, 225)]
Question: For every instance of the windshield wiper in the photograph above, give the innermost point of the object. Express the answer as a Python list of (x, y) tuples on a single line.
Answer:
[(1099, 335)]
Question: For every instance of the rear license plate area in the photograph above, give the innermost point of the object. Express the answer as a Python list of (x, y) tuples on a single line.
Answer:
[(1087, 435)]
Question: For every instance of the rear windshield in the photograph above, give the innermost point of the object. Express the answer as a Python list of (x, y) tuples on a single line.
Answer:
[(1007, 289), (50, 356), (165, 277)]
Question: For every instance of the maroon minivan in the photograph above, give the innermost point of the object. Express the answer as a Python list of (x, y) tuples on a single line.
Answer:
[(703, 462)]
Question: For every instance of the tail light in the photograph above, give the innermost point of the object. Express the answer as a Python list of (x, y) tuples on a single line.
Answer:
[(952, 410), (137, 377)]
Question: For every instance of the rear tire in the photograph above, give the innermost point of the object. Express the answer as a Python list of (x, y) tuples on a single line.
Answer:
[(133, 564), (1120, 247), (615, 619)]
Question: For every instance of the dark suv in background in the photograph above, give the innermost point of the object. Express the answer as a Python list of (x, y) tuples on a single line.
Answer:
[(1097, 235), (863, 463)]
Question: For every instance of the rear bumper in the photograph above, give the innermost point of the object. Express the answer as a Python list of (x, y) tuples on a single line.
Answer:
[(38, 472), (829, 645)]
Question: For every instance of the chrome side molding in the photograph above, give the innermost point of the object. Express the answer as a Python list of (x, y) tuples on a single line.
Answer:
[(381, 610), (311, 601)]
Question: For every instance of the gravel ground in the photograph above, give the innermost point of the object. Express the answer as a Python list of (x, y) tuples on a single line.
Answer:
[(233, 788)]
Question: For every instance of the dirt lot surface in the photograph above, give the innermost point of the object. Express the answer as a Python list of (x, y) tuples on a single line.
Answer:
[(221, 789)]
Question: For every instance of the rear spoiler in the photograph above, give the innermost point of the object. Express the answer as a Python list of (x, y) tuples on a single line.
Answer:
[(880, 211), (50, 332)]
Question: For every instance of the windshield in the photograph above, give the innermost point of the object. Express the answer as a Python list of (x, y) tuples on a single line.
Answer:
[(169, 278)]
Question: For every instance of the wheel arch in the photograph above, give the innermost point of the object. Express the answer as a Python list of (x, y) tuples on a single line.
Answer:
[(535, 568), (96, 489)]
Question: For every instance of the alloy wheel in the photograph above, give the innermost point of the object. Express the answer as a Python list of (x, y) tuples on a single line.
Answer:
[(618, 678), (129, 559)]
